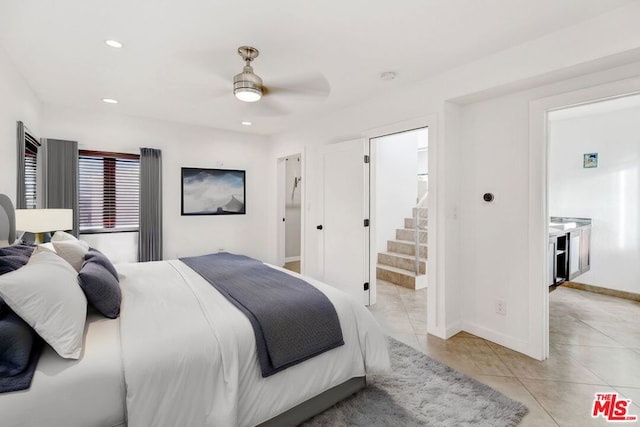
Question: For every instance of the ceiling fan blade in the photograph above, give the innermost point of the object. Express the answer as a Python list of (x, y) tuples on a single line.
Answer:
[(197, 93), (264, 108), (314, 85)]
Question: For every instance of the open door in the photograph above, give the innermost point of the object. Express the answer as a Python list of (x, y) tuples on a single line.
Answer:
[(343, 225)]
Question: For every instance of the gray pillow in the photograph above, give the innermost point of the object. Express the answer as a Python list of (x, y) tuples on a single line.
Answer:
[(98, 257), (101, 288)]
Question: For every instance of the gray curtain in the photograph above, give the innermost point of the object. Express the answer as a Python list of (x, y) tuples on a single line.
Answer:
[(150, 235), (60, 177), (21, 200)]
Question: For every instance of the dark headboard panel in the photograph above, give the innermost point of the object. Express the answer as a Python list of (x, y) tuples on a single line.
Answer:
[(7, 221)]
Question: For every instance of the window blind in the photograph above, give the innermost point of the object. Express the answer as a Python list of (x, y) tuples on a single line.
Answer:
[(30, 170), (108, 191)]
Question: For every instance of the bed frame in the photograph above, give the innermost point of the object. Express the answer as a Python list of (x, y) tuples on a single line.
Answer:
[(315, 405)]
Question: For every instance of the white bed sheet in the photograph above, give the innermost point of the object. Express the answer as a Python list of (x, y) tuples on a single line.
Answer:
[(73, 393), (197, 364)]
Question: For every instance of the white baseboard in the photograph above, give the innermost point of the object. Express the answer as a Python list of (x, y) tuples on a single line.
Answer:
[(497, 337), (292, 258)]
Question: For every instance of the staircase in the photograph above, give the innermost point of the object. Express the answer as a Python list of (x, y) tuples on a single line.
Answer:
[(397, 264)]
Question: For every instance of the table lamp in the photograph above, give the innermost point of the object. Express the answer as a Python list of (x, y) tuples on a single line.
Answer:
[(40, 221)]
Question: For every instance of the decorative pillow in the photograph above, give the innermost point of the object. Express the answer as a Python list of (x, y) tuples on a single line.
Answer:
[(101, 288), (16, 341), (100, 258), (61, 236), (46, 295), (72, 251)]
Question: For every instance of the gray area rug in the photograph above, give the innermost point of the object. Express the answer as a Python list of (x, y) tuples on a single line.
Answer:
[(422, 392)]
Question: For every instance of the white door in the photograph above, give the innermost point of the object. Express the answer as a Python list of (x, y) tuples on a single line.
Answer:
[(344, 238)]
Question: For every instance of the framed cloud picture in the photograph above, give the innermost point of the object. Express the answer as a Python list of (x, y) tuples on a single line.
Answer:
[(213, 192)]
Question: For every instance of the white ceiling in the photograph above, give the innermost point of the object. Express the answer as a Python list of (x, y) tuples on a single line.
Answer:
[(180, 56), (599, 107)]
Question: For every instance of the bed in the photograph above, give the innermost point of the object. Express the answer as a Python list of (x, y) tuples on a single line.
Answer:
[(181, 354)]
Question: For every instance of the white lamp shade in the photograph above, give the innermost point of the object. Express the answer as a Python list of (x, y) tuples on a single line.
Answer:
[(44, 220)]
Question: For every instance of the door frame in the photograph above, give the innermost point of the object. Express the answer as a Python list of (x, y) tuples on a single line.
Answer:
[(538, 344), (281, 198), (435, 261)]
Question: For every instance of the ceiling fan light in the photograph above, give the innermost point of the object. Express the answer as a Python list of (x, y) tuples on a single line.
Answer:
[(247, 95), (247, 86)]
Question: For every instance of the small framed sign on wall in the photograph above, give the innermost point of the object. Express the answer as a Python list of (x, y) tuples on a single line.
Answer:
[(590, 160)]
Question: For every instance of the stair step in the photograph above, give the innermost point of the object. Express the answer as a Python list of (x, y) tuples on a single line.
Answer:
[(421, 212), (406, 262), (408, 223), (396, 275), (407, 248), (409, 234)]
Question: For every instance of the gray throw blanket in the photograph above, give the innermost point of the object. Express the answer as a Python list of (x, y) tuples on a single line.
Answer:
[(292, 320)]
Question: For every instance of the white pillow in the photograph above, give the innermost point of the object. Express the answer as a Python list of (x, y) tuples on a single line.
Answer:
[(45, 294), (60, 236), (72, 251), (43, 247), (48, 246)]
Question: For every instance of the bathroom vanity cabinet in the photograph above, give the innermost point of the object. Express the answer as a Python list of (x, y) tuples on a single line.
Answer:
[(569, 252)]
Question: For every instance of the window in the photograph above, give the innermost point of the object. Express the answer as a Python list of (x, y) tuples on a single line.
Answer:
[(108, 191), (31, 145)]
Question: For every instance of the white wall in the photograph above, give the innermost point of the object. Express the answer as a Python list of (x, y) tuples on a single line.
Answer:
[(609, 194), (292, 207), (17, 103), (483, 146), (182, 146), (396, 166)]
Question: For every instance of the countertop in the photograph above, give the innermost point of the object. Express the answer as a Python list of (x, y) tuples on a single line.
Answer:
[(563, 225)]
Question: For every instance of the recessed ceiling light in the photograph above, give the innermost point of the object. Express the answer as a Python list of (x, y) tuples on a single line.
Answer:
[(110, 100), (114, 43), (246, 123), (388, 76)]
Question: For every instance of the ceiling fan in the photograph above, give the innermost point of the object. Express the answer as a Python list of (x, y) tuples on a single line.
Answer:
[(249, 87)]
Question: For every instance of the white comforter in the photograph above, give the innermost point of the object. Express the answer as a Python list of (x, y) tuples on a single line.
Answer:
[(190, 359)]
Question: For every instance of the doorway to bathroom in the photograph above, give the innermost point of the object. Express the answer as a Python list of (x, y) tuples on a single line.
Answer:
[(290, 212)]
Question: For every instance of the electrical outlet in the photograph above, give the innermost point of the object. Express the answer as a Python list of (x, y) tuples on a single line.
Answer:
[(501, 307)]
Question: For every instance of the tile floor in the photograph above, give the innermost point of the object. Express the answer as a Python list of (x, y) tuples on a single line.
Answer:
[(594, 347), (293, 266)]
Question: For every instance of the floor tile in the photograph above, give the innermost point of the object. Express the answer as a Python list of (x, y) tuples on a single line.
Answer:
[(558, 366), (623, 332), (569, 404), (512, 387), (577, 332), (469, 355), (634, 395), (618, 367)]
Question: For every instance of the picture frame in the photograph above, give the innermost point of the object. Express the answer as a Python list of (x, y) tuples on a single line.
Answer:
[(213, 191), (590, 160)]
